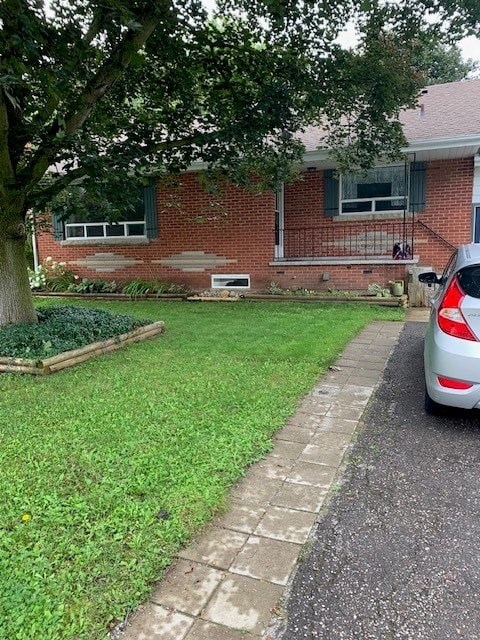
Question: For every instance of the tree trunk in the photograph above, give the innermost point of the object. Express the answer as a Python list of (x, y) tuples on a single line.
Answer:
[(16, 302)]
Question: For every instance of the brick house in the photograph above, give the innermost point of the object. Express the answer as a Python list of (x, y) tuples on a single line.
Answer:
[(322, 231)]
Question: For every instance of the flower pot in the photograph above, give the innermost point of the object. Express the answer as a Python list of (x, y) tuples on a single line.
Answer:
[(397, 287)]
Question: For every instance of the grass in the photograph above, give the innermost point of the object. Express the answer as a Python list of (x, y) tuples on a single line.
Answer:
[(109, 467)]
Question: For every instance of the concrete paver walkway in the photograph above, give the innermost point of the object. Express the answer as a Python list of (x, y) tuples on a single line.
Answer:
[(396, 556), (227, 585)]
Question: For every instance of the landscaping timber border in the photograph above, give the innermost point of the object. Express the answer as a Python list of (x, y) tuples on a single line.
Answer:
[(75, 356), (391, 301), (111, 296)]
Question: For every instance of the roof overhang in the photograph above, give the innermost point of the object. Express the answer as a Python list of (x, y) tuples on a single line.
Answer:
[(444, 148), (418, 151)]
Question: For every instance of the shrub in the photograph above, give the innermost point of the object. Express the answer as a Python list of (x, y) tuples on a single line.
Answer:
[(137, 288), (93, 286), (379, 291), (37, 277), (51, 276), (175, 288), (275, 289), (62, 329)]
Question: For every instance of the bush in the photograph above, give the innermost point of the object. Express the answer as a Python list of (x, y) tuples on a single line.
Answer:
[(51, 276), (62, 329), (275, 289), (137, 288), (93, 286), (175, 288)]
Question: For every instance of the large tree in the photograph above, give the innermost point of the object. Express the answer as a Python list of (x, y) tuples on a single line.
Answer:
[(440, 63), (96, 92)]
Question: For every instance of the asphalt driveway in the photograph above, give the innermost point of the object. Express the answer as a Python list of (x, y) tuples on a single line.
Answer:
[(397, 553)]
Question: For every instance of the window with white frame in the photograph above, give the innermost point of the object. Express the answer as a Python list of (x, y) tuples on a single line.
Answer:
[(230, 281), (140, 224), (97, 227), (380, 190), (102, 229)]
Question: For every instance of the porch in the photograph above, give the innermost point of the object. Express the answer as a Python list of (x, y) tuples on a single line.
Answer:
[(371, 241)]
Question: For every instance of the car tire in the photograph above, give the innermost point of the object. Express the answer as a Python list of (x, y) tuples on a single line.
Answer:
[(432, 407)]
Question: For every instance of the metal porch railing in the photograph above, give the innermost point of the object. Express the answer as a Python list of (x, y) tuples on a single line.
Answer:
[(356, 240)]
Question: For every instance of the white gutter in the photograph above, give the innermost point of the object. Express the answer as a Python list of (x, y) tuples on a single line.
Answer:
[(443, 143), (322, 155)]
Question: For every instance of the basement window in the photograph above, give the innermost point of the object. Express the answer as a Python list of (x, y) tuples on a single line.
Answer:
[(230, 281)]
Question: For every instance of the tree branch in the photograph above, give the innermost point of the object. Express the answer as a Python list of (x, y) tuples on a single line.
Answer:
[(103, 80), (109, 73), (198, 139), (63, 181), (94, 28), (92, 31), (6, 167), (60, 183)]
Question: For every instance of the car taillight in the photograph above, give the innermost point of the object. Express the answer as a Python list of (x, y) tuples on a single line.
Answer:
[(450, 383), (450, 317)]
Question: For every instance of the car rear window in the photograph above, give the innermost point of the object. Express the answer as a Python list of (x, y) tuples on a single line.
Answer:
[(469, 279)]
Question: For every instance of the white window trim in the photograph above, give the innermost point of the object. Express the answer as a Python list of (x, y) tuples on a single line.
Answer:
[(84, 225), (373, 211), (476, 209)]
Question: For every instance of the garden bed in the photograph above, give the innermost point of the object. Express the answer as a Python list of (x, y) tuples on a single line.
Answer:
[(76, 356), (390, 301), (67, 335)]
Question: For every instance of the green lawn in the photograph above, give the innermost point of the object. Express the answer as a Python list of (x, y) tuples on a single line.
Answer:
[(107, 468)]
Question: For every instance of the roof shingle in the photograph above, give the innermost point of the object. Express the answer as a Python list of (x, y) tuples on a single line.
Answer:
[(444, 111)]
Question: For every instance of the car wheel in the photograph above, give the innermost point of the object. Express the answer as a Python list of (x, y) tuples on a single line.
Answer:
[(432, 407)]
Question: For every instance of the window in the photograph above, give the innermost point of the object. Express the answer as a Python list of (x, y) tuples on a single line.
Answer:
[(231, 281), (447, 272), (141, 224), (121, 229), (476, 223), (380, 190), (96, 227), (469, 279)]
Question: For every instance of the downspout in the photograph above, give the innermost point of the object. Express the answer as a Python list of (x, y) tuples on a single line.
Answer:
[(405, 201), (34, 243)]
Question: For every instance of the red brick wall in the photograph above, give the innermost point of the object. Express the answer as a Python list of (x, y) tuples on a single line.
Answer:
[(304, 201), (448, 210), (240, 227), (340, 277)]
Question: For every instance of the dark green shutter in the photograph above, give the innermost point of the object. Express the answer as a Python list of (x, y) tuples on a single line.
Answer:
[(331, 191), (418, 183), (57, 227), (150, 208)]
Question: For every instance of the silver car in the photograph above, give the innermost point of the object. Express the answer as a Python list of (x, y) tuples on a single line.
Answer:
[(452, 341)]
